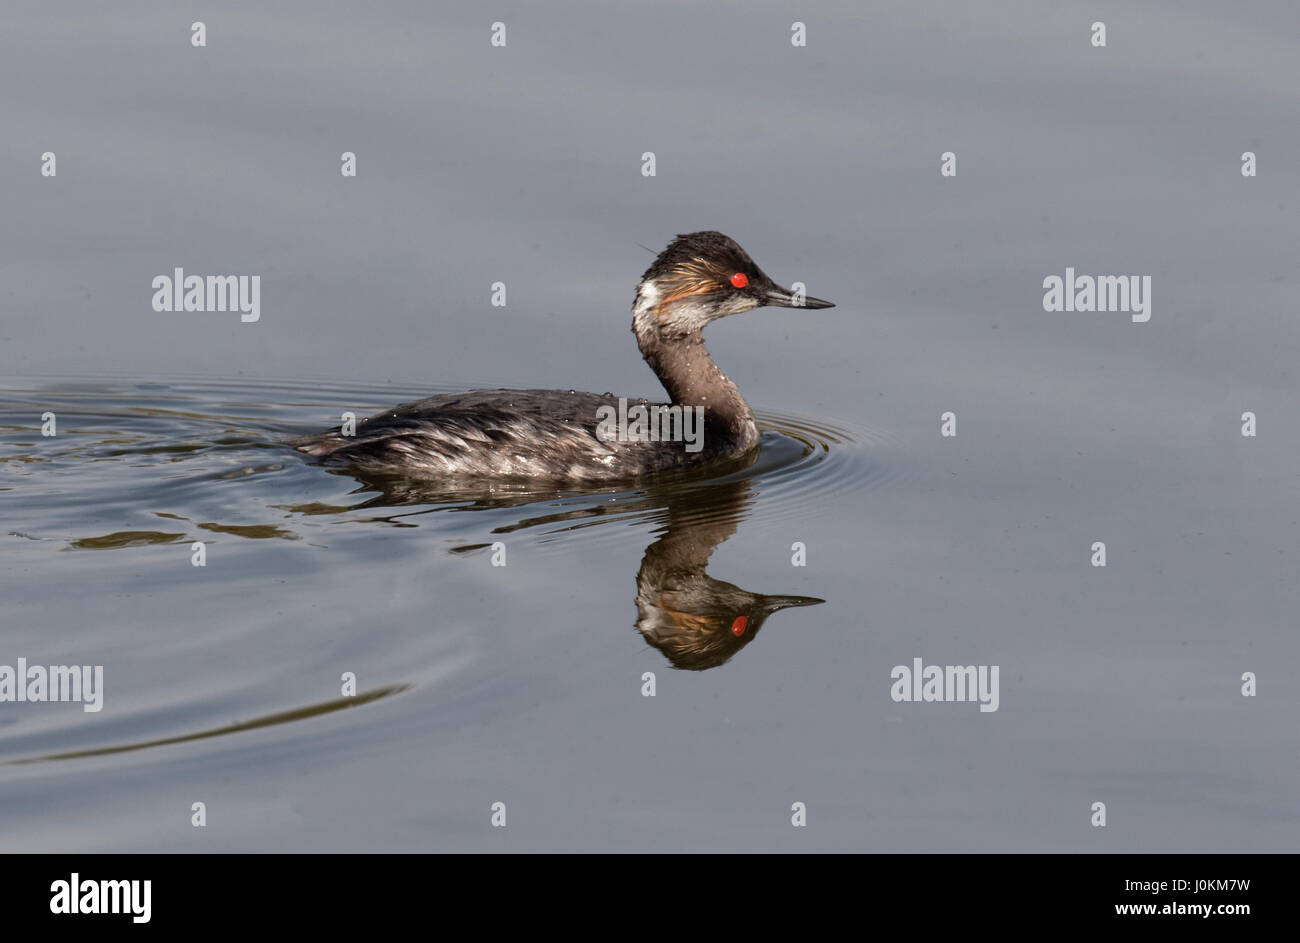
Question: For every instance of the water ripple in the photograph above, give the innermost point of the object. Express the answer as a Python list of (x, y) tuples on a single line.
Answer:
[(150, 456)]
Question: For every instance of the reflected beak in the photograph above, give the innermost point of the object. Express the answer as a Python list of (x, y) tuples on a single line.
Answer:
[(778, 296)]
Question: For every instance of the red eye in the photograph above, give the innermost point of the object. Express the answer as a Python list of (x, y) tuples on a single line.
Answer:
[(738, 627), (740, 280)]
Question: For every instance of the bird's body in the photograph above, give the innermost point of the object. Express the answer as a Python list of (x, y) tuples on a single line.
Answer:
[(507, 434), (566, 436)]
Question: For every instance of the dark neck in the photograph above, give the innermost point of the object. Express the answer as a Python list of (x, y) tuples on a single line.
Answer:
[(691, 378), (691, 536)]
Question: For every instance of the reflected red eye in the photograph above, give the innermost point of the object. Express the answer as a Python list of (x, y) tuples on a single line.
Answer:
[(740, 280), (738, 627)]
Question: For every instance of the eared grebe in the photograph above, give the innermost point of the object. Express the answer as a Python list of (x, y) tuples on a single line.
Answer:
[(585, 437)]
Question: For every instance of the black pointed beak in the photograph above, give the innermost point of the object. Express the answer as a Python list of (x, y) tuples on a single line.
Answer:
[(778, 296), (777, 603)]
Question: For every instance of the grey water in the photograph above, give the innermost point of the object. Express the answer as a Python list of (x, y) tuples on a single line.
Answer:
[(524, 684)]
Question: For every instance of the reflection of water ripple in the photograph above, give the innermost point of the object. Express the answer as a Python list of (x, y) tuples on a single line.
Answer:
[(270, 720), (179, 459)]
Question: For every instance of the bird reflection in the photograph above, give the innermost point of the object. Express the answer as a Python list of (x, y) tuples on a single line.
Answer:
[(696, 621)]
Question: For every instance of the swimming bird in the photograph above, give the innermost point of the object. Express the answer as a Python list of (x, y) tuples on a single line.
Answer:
[(566, 436)]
